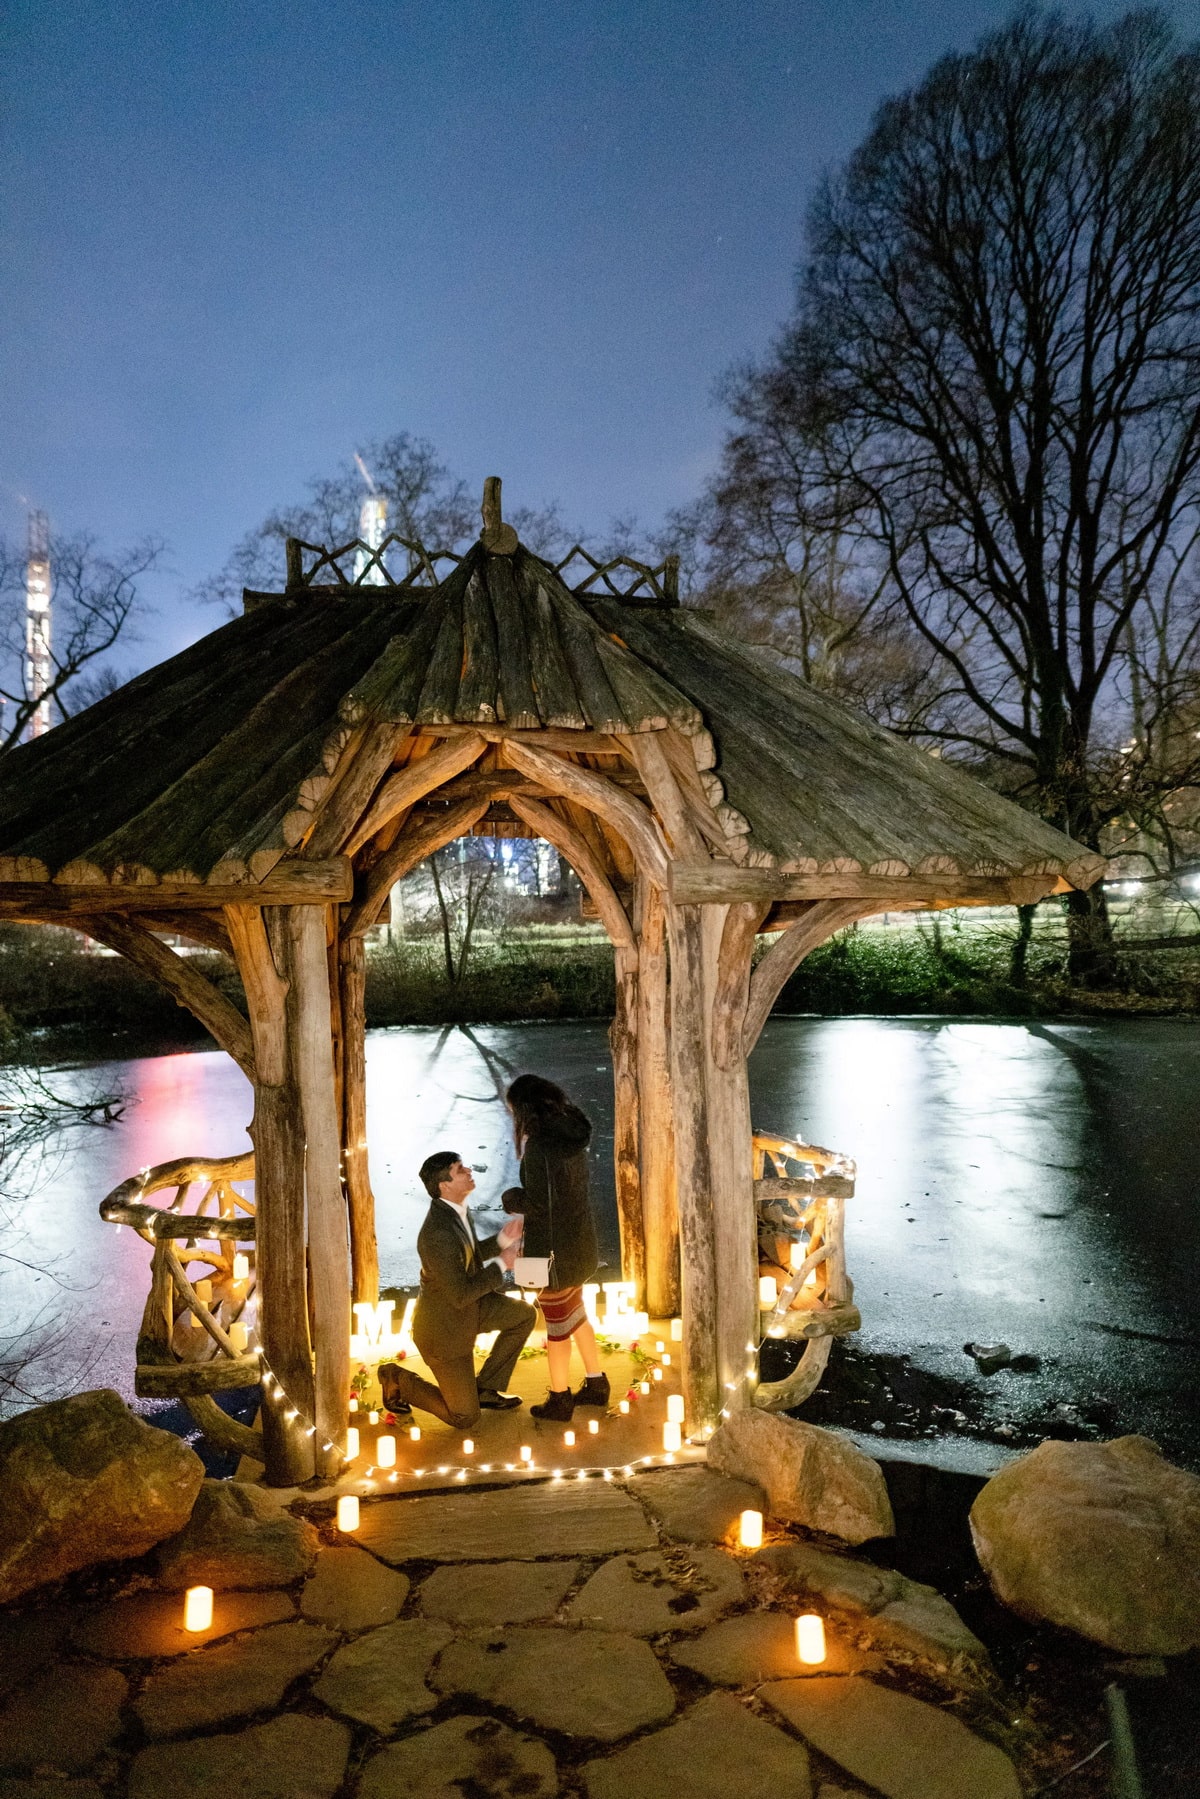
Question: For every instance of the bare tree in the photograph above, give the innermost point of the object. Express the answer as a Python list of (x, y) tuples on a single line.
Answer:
[(463, 874), (97, 600), (996, 353)]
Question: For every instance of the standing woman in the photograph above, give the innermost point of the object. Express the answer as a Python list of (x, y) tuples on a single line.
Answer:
[(552, 1135)]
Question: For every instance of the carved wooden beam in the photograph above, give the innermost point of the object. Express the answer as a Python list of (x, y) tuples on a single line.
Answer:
[(648, 757), (716, 883), (412, 783), (732, 995), (785, 955), (348, 797), (265, 989), (182, 980), (626, 815), (587, 866), (405, 855), (290, 883)]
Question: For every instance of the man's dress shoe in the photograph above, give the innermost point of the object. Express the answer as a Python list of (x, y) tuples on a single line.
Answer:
[(492, 1401)]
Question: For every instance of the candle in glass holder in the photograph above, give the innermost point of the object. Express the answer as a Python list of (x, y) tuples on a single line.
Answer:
[(672, 1435), (677, 1330), (198, 1608), (353, 1403), (810, 1639), (351, 1443), (241, 1267), (569, 1438), (750, 1530), (526, 1453), (768, 1292), (347, 1511), (593, 1427), (239, 1336), (623, 1407), (675, 1407), (385, 1451), (468, 1446)]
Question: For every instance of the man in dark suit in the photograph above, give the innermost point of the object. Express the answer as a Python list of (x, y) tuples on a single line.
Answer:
[(461, 1282)]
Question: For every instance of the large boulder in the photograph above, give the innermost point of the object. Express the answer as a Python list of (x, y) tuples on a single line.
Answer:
[(238, 1537), (810, 1476), (85, 1481), (1100, 1538)]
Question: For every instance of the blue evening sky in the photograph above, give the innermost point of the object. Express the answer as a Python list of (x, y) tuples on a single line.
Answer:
[(239, 240)]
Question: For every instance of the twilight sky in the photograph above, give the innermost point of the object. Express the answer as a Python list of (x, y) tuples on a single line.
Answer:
[(240, 240)]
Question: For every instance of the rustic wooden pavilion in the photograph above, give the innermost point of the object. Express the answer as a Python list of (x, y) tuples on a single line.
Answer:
[(262, 791)]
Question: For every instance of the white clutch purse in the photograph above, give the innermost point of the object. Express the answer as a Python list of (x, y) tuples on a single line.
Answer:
[(532, 1271)]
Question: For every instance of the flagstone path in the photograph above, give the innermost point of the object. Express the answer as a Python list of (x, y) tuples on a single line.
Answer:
[(599, 1639)]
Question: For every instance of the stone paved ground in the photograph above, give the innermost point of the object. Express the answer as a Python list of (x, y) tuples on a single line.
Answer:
[(598, 1639)]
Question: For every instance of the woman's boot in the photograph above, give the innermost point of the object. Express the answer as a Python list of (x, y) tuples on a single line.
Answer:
[(557, 1408), (594, 1391)]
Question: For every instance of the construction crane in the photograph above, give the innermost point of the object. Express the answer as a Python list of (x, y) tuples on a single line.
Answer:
[(372, 528), (38, 676)]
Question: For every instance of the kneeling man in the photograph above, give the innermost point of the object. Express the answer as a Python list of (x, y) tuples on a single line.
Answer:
[(461, 1281)]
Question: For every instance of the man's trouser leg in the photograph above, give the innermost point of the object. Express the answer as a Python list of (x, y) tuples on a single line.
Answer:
[(455, 1399), (514, 1320)]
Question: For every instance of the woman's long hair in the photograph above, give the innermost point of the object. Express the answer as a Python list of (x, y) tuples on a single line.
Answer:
[(532, 1101)]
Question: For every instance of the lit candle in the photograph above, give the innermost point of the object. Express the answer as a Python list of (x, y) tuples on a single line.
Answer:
[(526, 1453), (241, 1267), (347, 1511), (750, 1530), (623, 1407), (372, 1417), (675, 1407), (796, 1255), (414, 1431), (594, 1427), (644, 1388), (197, 1608), (353, 1403), (239, 1336), (468, 1446), (672, 1435), (385, 1452), (658, 1374), (569, 1438), (204, 1290), (768, 1292), (677, 1330), (667, 1359), (810, 1639), (659, 1347), (351, 1443)]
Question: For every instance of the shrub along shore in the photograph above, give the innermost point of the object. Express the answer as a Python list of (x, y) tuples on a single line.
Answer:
[(59, 995)]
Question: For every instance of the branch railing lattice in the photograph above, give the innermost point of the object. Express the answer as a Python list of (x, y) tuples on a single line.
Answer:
[(359, 564)]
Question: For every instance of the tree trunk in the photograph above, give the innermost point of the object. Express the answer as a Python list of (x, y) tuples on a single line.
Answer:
[(1091, 952), (1018, 959)]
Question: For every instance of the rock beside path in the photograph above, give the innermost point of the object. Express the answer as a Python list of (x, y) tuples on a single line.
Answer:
[(898, 1745), (230, 1680), (717, 1751), (61, 1720), (485, 1593), (673, 1589), (697, 1505), (350, 1590), (810, 1476), (290, 1757), (896, 1615), (381, 1679), (586, 1683), (237, 1537), (1099, 1538), (85, 1481), (476, 1756)]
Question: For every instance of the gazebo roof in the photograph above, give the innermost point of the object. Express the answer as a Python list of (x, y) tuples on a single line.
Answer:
[(209, 767)]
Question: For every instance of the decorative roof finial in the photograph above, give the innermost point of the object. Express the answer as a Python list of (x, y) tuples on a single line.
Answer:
[(497, 537)]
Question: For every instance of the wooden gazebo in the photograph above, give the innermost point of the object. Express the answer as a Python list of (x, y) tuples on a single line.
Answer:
[(262, 791)]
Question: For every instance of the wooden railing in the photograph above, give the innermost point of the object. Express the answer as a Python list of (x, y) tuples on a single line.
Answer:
[(358, 564), (190, 1344), (800, 1192)]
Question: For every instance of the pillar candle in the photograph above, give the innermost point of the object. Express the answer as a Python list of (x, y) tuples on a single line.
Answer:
[(672, 1435), (203, 1290), (353, 1403), (239, 1336), (347, 1511), (385, 1452), (594, 1427), (750, 1530), (569, 1438), (198, 1608), (351, 1443), (675, 1407), (658, 1374), (667, 1359), (810, 1639), (468, 1446), (645, 1387), (241, 1267), (677, 1330), (372, 1417), (414, 1431), (768, 1292), (526, 1453), (623, 1407)]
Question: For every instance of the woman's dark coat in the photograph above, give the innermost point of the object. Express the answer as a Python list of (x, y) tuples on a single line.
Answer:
[(554, 1185)]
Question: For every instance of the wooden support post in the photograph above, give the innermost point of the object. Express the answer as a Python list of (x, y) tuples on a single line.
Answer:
[(364, 1253), (697, 1235), (311, 1048), (728, 942), (656, 1132), (622, 1037)]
